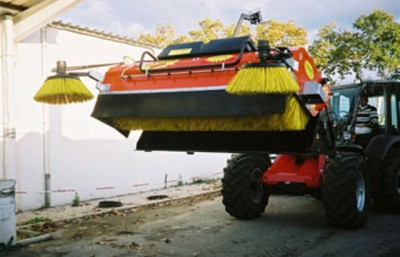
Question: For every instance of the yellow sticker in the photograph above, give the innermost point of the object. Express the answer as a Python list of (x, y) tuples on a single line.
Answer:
[(309, 70), (158, 65), (219, 58), (179, 51)]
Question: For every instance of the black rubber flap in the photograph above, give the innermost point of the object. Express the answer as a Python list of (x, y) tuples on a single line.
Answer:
[(230, 141), (203, 103)]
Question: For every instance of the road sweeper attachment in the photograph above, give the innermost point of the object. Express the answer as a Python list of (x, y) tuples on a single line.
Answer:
[(224, 96)]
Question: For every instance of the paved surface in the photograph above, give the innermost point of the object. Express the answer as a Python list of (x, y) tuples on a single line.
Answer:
[(199, 226)]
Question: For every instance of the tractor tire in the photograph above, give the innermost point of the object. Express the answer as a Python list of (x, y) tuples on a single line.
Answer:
[(387, 183), (244, 194), (345, 191)]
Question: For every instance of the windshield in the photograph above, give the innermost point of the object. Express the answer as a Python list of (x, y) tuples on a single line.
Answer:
[(343, 100)]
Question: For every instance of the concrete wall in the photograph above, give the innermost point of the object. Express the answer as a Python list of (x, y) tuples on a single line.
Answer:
[(77, 152)]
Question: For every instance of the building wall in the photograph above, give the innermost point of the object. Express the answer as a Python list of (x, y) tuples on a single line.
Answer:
[(78, 153)]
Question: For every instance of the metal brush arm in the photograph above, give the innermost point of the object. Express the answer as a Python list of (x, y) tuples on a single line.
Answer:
[(97, 76), (63, 68), (254, 17), (239, 24), (79, 74)]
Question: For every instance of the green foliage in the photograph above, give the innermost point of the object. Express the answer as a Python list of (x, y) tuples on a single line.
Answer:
[(182, 39), (214, 29), (164, 36), (337, 53), (36, 220), (278, 33), (76, 200), (379, 41), (281, 33), (210, 30), (395, 76), (244, 30), (180, 181), (372, 45), (8, 247), (204, 180), (322, 47)]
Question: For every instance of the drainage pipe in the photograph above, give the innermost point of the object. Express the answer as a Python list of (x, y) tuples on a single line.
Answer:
[(9, 164), (45, 124)]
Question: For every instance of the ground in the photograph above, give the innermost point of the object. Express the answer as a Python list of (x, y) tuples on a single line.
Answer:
[(199, 226)]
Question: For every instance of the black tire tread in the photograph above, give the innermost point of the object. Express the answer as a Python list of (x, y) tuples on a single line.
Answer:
[(386, 195), (338, 191), (236, 189)]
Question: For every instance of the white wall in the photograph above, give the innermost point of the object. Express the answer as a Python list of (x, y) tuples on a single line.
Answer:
[(78, 151)]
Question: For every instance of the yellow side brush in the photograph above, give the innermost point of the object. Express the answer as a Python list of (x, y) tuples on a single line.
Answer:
[(271, 76), (63, 89), (292, 119)]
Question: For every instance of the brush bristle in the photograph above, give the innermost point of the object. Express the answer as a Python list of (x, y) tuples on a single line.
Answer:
[(63, 90), (263, 80), (293, 118)]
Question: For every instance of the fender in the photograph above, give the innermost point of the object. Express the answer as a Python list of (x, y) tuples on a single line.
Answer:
[(351, 148), (380, 145)]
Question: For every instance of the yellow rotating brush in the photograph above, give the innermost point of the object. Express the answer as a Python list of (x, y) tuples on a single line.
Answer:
[(274, 122), (263, 78), (271, 76), (62, 88)]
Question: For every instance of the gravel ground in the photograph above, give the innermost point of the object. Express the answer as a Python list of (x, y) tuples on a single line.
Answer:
[(129, 201), (198, 226)]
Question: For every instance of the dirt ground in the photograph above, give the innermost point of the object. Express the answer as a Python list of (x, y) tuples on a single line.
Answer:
[(199, 226)]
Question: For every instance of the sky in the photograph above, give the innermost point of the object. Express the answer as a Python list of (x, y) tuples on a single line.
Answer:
[(133, 17)]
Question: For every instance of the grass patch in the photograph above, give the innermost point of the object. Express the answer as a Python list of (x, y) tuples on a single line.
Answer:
[(37, 220), (204, 180)]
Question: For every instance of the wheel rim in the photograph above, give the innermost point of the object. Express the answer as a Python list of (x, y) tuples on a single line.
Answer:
[(256, 185), (360, 192)]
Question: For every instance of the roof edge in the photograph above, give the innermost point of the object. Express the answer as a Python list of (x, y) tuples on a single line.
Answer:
[(99, 34)]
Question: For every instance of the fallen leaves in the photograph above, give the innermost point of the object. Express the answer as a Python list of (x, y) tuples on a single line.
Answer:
[(112, 242)]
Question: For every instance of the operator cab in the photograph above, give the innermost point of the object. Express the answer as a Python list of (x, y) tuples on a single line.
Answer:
[(384, 95)]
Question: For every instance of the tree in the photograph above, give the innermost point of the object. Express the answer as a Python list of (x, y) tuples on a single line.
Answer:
[(380, 39), (278, 33), (182, 39), (323, 46), (244, 30), (210, 30), (372, 45), (164, 36), (337, 53), (214, 29), (281, 33)]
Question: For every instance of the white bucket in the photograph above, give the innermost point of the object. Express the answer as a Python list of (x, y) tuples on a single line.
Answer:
[(8, 229)]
